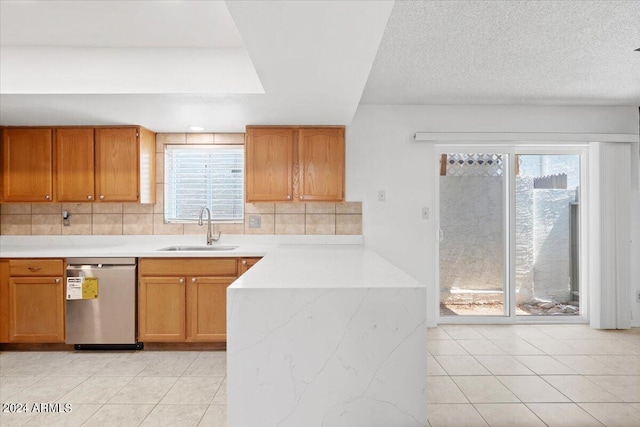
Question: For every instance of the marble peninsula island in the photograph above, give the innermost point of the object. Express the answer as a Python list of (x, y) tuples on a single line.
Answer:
[(326, 336)]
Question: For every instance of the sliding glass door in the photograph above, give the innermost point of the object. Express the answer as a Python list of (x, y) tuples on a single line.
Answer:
[(547, 224), (509, 233), (472, 234)]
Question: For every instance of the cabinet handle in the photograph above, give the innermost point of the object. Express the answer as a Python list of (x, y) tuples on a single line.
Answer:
[(301, 197), (34, 269), (181, 280), (48, 197), (89, 197), (289, 197), (244, 262), (194, 280), (57, 280), (102, 197)]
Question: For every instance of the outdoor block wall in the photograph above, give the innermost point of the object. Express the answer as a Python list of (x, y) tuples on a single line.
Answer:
[(472, 250)]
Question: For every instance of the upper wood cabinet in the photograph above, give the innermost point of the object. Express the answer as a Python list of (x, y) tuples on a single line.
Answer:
[(321, 158), (269, 165), (27, 163), (125, 165), (74, 164), (295, 163), (78, 164), (117, 165)]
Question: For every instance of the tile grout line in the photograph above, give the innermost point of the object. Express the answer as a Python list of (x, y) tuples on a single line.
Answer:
[(474, 356)]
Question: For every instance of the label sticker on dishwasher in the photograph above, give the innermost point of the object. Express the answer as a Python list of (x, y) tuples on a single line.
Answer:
[(82, 288)]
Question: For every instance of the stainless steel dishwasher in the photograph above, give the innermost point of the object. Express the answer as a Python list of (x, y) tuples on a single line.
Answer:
[(109, 320)]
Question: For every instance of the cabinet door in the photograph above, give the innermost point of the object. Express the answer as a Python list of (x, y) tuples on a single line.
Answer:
[(246, 263), (269, 165), (36, 309), (207, 308), (4, 300), (27, 159), (321, 159), (161, 304), (74, 165), (116, 164)]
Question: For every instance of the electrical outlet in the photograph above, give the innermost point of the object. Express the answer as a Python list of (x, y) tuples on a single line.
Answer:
[(425, 213), (382, 196), (255, 221)]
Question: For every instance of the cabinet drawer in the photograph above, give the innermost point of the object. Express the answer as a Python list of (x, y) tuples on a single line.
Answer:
[(188, 266), (36, 267)]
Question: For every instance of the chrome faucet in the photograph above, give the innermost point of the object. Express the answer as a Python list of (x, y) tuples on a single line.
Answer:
[(210, 237)]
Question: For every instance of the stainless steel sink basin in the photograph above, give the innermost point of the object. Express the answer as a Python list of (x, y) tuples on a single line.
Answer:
[(198, 248)]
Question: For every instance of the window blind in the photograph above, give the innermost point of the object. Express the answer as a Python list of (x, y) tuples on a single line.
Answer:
[(204, 175)]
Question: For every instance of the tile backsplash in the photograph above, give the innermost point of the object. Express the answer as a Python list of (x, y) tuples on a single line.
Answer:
[(134, 218)]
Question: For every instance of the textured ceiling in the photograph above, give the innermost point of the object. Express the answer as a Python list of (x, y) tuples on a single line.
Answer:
[(508, 52)]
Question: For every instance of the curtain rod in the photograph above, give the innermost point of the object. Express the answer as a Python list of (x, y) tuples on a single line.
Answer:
[(525, 136)]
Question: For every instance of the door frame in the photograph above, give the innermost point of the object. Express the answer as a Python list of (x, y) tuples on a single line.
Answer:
[(511, 149)]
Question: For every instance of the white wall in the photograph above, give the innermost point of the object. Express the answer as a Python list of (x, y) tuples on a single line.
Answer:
[(382, 155), (635, 233)]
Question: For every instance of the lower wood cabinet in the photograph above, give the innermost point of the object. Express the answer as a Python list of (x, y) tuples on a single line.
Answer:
[(247, 263), (161, 309), (207, 308), (36, 304), (185, 299), (4, 300), (179, 299)]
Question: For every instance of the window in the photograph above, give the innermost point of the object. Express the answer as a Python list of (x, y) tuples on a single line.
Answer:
[(204, 175)]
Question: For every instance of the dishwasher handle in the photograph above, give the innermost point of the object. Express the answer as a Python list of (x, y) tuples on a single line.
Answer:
[(77, 267), (103, 262)]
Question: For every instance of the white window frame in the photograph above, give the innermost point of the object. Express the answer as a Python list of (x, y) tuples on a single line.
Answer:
[(168, 197), (513, 148)]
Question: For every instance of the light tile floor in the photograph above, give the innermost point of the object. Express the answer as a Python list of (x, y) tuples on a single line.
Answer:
[(145, 388), (522, 375), (533, 375)]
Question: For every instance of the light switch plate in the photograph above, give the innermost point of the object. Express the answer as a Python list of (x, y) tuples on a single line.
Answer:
[(382, 196), (425, 213), (255, 221)]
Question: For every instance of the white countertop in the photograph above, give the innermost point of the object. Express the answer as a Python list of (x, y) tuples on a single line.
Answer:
[(288, 261), (324, 266), (118, 246), (148, 246)]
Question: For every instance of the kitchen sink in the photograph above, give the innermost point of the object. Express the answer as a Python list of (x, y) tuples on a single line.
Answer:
[(198, 248)]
